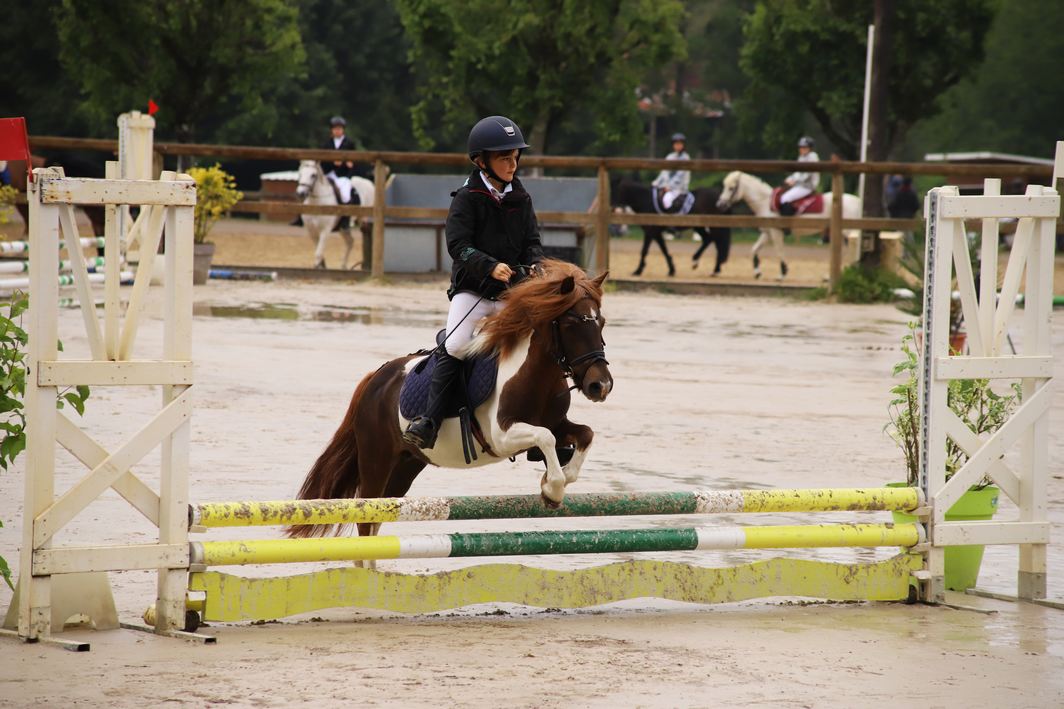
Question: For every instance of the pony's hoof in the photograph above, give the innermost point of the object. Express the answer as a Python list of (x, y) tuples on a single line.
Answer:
[(757, 274), (637, 272), (549, 503), (694, 265), (552, 492), (319, 265), (715, 274)]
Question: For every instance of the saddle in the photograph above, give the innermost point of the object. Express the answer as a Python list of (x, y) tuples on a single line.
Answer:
[(475, 382), (810, 204), (682, 204)]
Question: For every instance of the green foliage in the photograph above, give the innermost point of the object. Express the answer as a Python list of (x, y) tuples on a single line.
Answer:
[(974, 402), (216, 193), (538, 61), (5, 570), (207, 63), (1015, 101), (13, 339), (861, 284), (7, 202), (814, 52)]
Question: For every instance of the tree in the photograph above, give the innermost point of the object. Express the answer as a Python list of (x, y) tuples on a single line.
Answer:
[(1014, 102), (814, 51), (541, 62), (33, 83), (209, 64)]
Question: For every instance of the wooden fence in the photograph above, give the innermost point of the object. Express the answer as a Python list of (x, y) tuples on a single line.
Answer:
[(601, 215)]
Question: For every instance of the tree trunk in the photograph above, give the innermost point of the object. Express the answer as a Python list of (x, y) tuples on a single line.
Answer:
[(878, 130)]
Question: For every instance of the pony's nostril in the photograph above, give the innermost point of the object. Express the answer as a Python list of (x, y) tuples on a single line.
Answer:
[(595, 388)]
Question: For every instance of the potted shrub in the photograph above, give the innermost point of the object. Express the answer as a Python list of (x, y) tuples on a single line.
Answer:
[(216, 193), (983, 410)]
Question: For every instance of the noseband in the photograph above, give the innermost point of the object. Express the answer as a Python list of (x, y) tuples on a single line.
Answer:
[(564, 361)]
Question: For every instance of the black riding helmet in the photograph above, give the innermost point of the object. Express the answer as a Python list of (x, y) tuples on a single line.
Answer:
[(493, 134)]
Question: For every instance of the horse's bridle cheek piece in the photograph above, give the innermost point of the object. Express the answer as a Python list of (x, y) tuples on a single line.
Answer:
[(563, 360)]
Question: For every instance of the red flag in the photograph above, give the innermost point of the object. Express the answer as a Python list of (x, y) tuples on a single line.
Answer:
[(153, 107), (14, 143)]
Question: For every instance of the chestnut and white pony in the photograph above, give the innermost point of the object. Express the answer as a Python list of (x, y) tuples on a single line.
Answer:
[(758, 196), (549, 331), (315, 188)]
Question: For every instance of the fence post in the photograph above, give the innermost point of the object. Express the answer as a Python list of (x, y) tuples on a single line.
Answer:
[(602, 222), (836, 231), (379, 179)]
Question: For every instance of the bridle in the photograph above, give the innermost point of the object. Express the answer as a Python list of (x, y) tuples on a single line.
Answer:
[(563, 359), (309, 185), (733, 195)]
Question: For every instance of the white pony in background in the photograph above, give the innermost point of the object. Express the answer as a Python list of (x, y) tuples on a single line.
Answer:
[(315, 188), (758, 196)]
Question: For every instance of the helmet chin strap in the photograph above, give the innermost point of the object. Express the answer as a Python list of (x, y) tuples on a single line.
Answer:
[(491, 173)]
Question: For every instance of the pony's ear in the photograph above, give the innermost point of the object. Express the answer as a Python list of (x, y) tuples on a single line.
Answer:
[(600, 280), (567, 285)]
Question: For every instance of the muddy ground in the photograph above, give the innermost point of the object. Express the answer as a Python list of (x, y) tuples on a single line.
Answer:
[(711, 392)]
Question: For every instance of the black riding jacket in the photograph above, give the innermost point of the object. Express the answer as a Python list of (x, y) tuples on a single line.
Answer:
[(482, 232)]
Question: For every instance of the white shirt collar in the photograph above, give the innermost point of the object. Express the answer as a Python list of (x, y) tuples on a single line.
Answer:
[(337, 141), (491, 188)]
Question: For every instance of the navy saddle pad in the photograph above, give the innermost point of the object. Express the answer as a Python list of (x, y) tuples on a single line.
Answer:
[(479, 375)]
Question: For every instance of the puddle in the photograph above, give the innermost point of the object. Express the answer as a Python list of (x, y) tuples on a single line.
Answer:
[(327, 313)]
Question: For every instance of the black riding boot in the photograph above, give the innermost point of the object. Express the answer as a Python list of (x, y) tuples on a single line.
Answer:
[(422, 431)]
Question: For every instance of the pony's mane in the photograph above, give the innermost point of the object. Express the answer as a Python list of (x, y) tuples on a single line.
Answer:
[(532, 303)]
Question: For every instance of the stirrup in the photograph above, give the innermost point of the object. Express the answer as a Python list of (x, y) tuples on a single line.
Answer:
[(417, 435)]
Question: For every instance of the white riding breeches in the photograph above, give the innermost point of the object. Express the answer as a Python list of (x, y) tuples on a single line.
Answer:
[(344, 183), (463, 316), (669, 197), (796, 192)]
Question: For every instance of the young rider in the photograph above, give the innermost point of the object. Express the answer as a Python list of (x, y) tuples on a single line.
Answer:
[(339, 171), (800, 184), (674, 182), (491, 231)]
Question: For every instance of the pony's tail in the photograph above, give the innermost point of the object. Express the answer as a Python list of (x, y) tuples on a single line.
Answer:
[(335, 473)]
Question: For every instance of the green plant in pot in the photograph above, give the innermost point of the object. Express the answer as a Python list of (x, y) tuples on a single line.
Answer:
[(216, 193), (980, 408)]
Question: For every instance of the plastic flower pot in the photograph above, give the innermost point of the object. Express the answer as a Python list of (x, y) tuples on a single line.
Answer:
[(962, 562)]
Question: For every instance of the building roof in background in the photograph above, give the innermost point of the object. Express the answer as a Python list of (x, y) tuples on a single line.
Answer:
[(986, 156)]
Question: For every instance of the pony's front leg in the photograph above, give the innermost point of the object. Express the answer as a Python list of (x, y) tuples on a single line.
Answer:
[(349, 243), (522, 436), (762, 237), (580, 437)]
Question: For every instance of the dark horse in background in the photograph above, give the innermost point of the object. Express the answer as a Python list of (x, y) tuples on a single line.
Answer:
[(639, 196)]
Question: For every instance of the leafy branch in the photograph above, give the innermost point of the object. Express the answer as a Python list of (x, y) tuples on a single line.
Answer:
[(13, 340)]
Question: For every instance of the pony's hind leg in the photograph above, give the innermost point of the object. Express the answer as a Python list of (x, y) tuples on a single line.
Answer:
[(777, 243)]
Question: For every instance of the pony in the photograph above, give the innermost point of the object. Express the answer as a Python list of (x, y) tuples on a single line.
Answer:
[(758, 196), (315, 188), (640, 197), (549, 331)]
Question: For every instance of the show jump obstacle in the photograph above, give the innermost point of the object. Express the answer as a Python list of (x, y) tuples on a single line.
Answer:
[(189, 588)]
